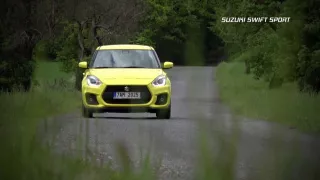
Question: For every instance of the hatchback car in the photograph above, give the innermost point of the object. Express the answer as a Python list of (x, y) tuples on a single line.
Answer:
[(126, 79)]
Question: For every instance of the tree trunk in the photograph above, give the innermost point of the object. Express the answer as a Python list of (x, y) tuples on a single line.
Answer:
[(94, 35), (78, 73), (247, 66), (276, 81), (79, 77), (80, 39)]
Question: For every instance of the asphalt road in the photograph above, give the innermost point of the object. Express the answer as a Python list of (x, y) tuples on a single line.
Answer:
[(261, 148)]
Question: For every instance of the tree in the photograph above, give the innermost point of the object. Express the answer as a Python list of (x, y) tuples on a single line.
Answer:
[(100, 22), (170, 25), (17, 42), (308, 64)]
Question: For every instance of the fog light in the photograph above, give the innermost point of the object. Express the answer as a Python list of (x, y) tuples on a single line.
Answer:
[(91, 99), (162, 99)]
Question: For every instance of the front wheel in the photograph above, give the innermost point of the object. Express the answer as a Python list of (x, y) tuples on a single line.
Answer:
[(164, 113), (86, 112)]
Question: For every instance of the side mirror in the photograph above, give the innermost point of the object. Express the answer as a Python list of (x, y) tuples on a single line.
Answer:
[(83, 65), (167, 65)]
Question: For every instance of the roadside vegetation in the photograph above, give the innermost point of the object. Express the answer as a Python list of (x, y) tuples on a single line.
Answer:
[(22, 112), (271, 71), (24, 154), (26, 119), (252, 98)]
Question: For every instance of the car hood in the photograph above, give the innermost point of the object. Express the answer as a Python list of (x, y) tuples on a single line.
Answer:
[(126, 75)]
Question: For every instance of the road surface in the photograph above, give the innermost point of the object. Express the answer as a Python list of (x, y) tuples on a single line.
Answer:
[(260, 150)]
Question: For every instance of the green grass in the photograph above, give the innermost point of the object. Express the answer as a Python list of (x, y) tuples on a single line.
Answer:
[(24, 156), (253, 99), (21, 153), (48, 74), (50, 70)]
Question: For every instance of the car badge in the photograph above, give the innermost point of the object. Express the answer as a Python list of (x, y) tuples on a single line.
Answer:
[(126, 88)]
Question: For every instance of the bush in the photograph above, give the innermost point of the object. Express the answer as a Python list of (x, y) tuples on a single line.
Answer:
[(68, 54), (309, 70), (16, 70), (52, 47), (253, 99)]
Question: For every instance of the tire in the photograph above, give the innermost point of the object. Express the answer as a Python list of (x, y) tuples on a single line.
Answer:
[(86, 113), (164, 113)]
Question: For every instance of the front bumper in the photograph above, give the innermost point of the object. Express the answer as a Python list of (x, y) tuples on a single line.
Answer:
[(94, 100)]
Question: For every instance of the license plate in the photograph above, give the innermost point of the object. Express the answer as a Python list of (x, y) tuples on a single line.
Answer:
[(126, 95)]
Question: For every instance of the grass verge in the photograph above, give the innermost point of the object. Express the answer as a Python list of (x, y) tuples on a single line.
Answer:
[(253, 99), (24, 155), (21, 154)]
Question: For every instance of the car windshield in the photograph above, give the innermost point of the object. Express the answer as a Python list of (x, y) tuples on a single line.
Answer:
[(125, 59)]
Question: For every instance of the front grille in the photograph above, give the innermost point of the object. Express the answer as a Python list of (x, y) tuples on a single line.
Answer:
[(107, 95)]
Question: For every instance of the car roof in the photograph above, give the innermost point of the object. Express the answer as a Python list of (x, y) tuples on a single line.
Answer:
[(124, 46)]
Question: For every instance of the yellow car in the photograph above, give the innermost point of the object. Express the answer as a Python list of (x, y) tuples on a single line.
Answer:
[(126, 78)]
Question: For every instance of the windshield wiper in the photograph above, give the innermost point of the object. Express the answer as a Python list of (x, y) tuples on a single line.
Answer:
[(101, 67), (119, 67), (132, 67)]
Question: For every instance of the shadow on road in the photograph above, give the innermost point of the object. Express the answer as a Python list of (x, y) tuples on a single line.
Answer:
[(125, 118), (108, 117)]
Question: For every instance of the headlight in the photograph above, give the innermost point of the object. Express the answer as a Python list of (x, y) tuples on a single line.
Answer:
[(159, 81), (93, 81)]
